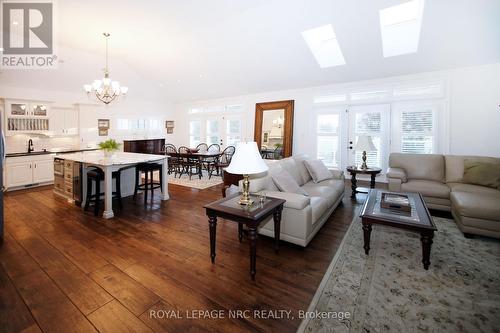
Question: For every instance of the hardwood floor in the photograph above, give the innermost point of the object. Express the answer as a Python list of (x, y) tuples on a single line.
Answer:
[(66, 271)]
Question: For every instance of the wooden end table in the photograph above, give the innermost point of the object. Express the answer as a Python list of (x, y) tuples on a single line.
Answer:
[(229, 209), (419, 220), (353, 170)]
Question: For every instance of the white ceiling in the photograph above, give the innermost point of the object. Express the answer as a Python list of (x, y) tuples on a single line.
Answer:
[(159, 48)]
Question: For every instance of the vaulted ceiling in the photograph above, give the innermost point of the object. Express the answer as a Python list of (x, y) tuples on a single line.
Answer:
[(196, 49)]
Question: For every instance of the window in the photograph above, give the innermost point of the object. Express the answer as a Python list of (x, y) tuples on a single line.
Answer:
[(328, 139), (212, 131), (417, 132), (123, 124), (369, 123), (233, 132), (194, 133), (324, 45)]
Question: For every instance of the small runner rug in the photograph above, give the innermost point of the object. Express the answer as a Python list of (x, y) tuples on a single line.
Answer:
[(389, 290)]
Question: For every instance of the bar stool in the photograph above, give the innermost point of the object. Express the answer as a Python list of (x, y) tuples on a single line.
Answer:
[(149, 184), (96, 176)]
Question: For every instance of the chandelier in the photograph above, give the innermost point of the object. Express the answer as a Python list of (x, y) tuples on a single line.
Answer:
[(105, 90)]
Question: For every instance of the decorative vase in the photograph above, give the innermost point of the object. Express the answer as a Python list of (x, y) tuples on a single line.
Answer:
[(109, 153)]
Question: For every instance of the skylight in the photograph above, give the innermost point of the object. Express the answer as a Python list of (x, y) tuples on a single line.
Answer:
[(400, 26), (324, 46)]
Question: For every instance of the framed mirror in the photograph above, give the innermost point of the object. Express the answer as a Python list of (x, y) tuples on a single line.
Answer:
[(274, 129)]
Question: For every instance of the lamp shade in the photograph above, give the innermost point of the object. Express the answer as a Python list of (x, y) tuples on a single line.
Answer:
[(247, 160), (365, 143)]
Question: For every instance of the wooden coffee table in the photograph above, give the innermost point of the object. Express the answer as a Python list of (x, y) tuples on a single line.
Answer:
[(419, 220), (229, 209)]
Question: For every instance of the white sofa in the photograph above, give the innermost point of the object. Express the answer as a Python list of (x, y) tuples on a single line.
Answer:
[(302, 216)]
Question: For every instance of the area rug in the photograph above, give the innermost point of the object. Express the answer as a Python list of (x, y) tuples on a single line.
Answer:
[(389, 291), (195, 181)]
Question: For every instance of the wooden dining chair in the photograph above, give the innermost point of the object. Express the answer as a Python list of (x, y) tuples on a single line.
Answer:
[(202, 147), (208, 162), (223, 161), (173, 160), (187, 164)]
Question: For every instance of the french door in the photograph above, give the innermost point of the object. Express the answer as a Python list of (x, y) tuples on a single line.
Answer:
[(223, 130), (374, 121)]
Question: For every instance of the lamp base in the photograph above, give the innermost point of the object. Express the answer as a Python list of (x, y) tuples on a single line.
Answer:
[(245, 196), (364, 166)]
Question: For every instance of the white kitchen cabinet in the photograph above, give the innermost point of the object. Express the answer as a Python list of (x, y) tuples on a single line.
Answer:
[(43, 171), (18, 174), (26, 117), (29, 170), (64, 121)]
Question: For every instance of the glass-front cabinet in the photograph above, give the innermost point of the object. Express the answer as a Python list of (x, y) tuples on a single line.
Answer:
[(26, 117)]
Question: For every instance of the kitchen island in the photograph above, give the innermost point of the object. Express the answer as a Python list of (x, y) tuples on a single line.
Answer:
[(119, 160)]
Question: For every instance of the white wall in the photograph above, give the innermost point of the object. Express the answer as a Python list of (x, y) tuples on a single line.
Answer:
[(473, 97), (89, 112), (475, 110)]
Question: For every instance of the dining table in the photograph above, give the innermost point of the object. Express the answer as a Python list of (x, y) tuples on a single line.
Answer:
[(196, 155)]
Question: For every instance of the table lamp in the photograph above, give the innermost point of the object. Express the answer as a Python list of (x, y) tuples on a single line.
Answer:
[(365, 144), (246, 161)]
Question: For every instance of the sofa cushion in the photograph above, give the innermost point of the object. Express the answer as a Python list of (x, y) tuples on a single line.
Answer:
[(470, 188), (318, 207), (476, 205), (285, 182), (330, 189), (427, 188), (482, 173), (455, 166), (301, 167), (318, 170), (419, 166), (289, 164)]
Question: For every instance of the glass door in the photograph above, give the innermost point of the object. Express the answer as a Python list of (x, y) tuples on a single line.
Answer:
[(373, 121), (222, 130)]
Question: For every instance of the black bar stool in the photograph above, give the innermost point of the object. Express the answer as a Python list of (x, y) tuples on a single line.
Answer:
[(149, 184), (96, 176)]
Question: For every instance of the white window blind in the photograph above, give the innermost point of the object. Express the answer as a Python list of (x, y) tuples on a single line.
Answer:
[(328, 139), (194, 133), (369, 123), (417, 132)]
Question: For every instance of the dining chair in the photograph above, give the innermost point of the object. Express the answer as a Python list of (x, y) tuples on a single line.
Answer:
[(278, 153), (187, 163), (173, 160), (222, 161), (202, 147), (208, 162)]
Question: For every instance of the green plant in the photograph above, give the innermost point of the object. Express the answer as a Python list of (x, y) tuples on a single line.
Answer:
[(278, 145), (109, 145)]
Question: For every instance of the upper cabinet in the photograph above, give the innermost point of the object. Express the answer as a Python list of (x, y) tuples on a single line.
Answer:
[(64, 121), (26, 117)]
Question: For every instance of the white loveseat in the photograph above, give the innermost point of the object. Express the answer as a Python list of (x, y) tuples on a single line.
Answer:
[(302, 215)]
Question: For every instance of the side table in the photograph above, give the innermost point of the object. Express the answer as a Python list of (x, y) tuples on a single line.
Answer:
[(353, 170), (229, 209)]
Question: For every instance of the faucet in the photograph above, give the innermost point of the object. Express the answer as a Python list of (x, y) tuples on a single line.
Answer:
[(30, 146)]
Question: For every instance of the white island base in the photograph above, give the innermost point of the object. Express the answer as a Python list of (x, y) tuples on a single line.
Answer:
[(118, 161)]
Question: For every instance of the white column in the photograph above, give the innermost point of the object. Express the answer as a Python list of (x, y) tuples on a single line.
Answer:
[(164, 182), (108, 193)]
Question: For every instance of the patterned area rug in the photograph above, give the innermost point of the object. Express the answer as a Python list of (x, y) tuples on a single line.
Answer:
[(389, 291), (195, 182)]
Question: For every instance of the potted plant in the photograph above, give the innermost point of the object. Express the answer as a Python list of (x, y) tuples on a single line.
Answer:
[(109, 147)]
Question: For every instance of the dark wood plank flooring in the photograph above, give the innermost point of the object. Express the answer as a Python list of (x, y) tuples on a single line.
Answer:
[(66, 271)]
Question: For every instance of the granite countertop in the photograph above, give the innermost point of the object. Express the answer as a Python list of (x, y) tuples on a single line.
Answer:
[(47, 152), (118, 158)]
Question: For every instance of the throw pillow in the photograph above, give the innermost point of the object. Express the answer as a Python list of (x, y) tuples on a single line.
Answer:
[(233, 189), (285, 183), (482, 173), (318, 170)]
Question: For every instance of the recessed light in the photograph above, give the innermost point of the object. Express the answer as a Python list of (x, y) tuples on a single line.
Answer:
[(400, 27), (324, 45)]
